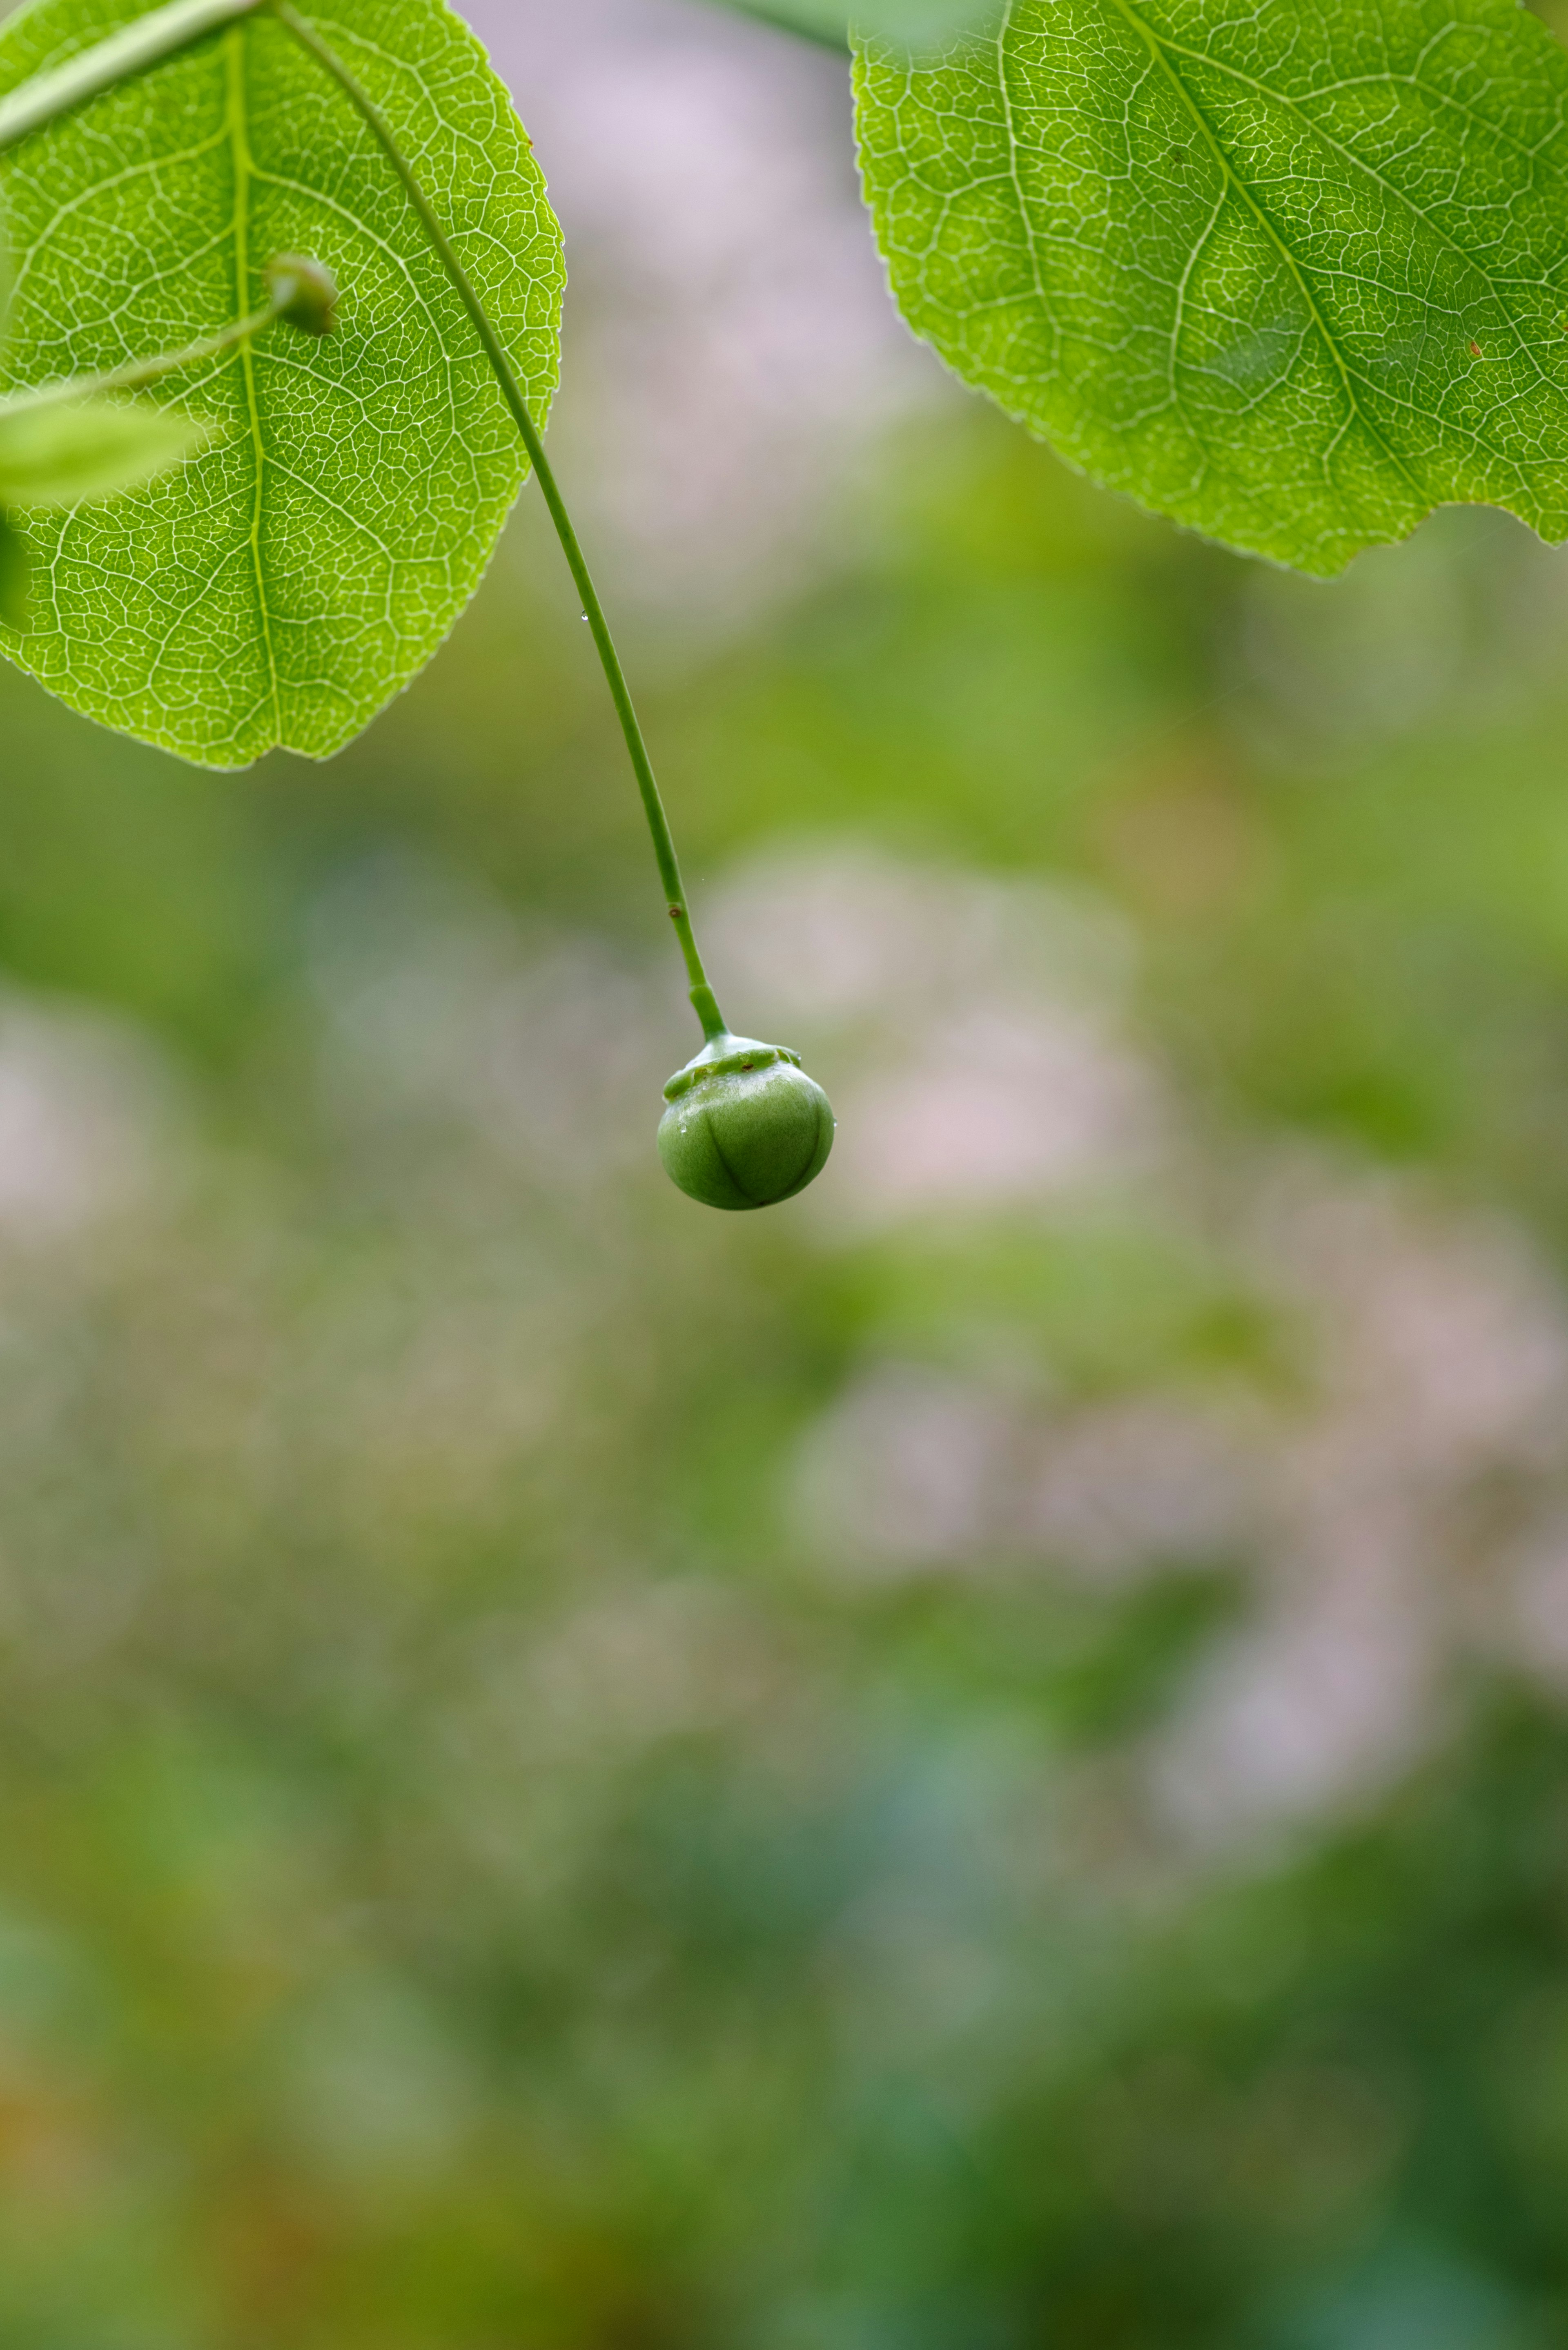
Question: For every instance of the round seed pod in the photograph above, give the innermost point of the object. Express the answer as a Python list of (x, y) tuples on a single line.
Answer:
[(306, 291), (746, 1126)]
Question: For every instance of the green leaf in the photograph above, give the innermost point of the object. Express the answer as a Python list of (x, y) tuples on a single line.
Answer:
[(284, 585), (1291, 274), (15, 572), (58, 454)]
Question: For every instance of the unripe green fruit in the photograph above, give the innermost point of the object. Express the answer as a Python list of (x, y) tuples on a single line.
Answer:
[(746, 1126), (306, 292)]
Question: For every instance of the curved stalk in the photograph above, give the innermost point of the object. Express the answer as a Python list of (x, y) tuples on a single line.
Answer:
[(161, 34), (702, 997)]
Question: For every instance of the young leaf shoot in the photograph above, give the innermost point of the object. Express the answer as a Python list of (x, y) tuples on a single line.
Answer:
[(64, 444)]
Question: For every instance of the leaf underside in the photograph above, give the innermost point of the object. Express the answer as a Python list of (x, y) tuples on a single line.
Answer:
[(1292, 272), (283, 586)]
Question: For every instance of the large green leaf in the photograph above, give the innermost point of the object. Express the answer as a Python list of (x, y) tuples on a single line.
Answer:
[(282, 587), (1291, 271)]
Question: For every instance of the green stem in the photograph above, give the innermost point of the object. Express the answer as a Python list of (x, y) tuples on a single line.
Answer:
[(703, 998), (786, 23), (145, 42), (159, 35), (136, 372)]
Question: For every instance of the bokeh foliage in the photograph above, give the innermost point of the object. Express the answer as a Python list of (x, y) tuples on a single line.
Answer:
[(473, 1872)]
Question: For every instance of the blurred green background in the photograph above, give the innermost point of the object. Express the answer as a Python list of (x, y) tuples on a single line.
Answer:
[(977, 1764)]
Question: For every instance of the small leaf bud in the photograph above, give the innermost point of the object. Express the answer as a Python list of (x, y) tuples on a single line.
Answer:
[(746, 1126), (304, 291)]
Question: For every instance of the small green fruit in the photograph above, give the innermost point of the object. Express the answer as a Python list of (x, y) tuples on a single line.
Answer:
[(306, 293), (746, 1126)]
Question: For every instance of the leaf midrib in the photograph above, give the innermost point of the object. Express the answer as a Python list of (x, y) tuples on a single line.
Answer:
[(1002, 32), (239, 149)]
